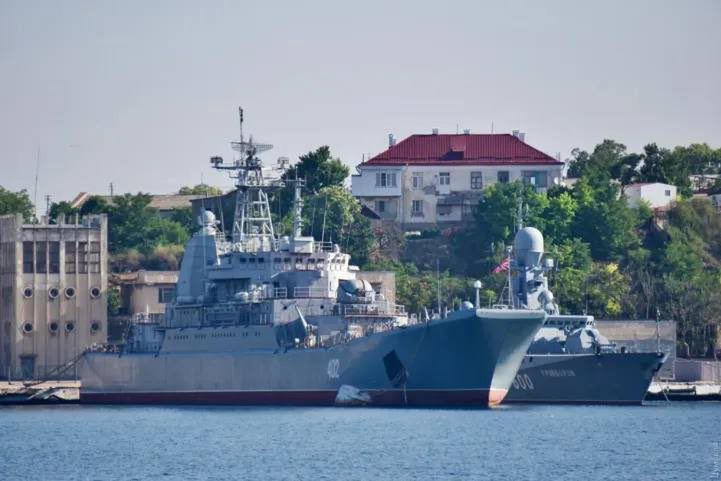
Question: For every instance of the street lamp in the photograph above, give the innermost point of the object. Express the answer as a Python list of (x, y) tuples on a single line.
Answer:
[(477, 286)]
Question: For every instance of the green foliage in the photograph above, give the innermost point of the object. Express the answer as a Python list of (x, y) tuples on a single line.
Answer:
[(604, 221), (418, 290), (334, 215), (496, 214), (114, 302), (608, 160), (63, 208), (184, 217), (318, 169), (16, 203), (661, 165), (201, 189)]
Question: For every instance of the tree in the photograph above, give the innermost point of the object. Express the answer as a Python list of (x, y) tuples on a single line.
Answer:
[(95, 205), (201, 189), (63, 208), (333, 214), (16, 203), (318, 169), (495, 216), (660, 165), (604, 221)]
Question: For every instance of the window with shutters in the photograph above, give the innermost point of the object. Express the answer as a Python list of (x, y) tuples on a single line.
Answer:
[(476, 180)]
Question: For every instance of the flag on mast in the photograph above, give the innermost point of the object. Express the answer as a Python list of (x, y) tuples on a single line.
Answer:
[(503, 266)]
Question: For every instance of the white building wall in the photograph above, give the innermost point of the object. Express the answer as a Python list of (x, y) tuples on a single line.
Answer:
[(656, 195), (364, 188)]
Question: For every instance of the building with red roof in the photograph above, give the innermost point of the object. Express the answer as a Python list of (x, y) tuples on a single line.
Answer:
[(436, 179)]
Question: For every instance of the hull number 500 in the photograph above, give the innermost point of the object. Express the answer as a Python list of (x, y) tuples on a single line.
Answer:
[(523, 381), (333, 368)]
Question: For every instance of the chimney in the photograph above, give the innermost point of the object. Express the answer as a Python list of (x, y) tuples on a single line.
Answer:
[(435, 131), (519, 135), (391, 140), (466, 131)]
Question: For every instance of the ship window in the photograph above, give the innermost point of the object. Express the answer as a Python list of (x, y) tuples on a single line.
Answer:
[(287, 260), (261, 260), (241, 259), (252, 259)]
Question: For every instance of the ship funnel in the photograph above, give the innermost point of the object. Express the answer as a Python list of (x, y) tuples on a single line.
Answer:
[(528, 246)]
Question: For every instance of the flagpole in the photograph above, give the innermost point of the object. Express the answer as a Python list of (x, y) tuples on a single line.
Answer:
[(510, 287)]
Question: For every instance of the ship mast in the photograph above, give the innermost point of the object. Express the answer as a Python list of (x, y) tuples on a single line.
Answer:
[(252, 222)]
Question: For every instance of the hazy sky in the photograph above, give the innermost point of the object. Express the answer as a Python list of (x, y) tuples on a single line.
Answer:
[(141, 94)]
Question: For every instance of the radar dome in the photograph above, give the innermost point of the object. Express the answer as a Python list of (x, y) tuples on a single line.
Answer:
[(528, 245), (208, 218)]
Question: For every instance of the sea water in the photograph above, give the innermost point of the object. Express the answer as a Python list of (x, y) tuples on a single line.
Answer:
[(656, 441)]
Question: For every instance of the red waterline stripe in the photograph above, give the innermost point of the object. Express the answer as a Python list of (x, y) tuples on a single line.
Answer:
[(475, 397)]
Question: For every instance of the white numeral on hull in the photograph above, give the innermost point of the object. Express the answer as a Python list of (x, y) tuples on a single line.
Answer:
[(523, 382), (333, 369)]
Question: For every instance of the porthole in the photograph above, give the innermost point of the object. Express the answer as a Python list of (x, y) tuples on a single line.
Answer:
[(28, 292), (53, 293), (69, 326), (95, 326), (69, 292), (94, 292), (28, 327), (53, 327)]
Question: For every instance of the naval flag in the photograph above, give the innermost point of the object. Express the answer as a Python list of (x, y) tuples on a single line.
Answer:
[(503, 266)]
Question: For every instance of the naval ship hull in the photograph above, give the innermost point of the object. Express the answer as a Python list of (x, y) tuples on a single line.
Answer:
[(606, 378), (469, 358)]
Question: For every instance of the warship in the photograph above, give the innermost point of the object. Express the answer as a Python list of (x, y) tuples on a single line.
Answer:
[(265, 319), (569, 361)]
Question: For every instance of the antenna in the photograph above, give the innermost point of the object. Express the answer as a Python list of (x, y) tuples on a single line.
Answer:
[(35, 194), (240, 111), (438, 276), (519, 219)]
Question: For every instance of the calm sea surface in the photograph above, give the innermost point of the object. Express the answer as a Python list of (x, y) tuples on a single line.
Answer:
[(657, 441)]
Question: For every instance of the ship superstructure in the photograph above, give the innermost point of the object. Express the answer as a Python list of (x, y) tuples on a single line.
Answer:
[(569, 361), (261, 318)]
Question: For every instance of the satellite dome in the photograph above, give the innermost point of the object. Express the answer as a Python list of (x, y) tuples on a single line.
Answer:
[(208, 218), (528, 245)]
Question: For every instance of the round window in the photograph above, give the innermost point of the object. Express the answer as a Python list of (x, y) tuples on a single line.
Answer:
[(53, 292), (94, 292), (28, 292), (53, 327), (70, 326), (69, 292), (95, 326), (28, 327)]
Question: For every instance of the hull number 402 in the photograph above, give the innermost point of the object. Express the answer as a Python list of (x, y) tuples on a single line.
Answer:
[(333, 368)]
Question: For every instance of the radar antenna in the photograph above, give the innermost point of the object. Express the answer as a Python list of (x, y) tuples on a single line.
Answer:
[(252, 223)]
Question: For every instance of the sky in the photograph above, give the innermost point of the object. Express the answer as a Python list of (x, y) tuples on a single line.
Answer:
[(141, 94)]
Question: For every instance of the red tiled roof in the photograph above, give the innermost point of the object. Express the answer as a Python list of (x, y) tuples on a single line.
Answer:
[(462, 149)]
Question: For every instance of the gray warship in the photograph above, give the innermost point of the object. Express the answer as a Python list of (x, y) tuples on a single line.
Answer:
[(569, 361), (263, 319)]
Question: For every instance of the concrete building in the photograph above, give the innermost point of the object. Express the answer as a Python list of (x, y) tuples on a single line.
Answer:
[(656, 194), (434, 180), (53, 283), (145, 291), (166, 204)]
